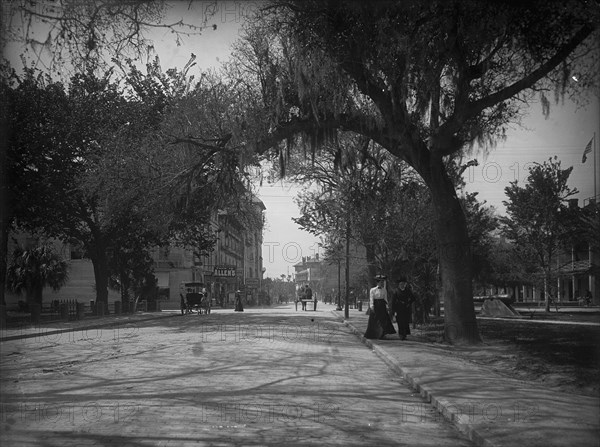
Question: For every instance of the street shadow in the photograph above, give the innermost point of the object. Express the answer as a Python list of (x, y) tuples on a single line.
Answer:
[(231, 378)]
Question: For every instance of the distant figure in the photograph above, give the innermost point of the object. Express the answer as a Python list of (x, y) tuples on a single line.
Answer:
[(308, 295), (238, 301), (588, 298), (303, 296)]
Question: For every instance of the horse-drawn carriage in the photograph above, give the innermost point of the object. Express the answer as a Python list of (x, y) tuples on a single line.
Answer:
[(194, 297)]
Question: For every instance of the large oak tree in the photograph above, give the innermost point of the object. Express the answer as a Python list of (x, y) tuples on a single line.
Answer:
[(425, 80)]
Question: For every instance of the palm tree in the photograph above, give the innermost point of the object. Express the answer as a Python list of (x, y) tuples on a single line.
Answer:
[(33, 269)]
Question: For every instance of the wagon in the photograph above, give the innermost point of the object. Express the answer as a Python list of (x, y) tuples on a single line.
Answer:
[(194, 298)]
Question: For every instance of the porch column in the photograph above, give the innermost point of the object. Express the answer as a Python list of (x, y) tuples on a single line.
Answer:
[(591, 282), (558, 294)]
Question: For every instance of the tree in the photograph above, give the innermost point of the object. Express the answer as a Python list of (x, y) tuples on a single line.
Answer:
[(26, 106), (71, 36), (353, 186), (279, 289), (507, 266), (32, 269), (128, 253), (67, 38), (56, 170), (424, 80), (97, 173), (482, 222), (537, 217)]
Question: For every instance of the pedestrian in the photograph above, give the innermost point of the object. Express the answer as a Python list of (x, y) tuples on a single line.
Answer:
[(588, 298), (308, 296), (303, 296), (238, 301), (379, 324), (402, 300)]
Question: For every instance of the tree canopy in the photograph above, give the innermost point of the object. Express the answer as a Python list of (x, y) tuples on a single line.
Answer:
[(424, 80), (538, 215)]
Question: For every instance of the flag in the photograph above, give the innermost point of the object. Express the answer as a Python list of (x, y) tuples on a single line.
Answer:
[(587, 150)]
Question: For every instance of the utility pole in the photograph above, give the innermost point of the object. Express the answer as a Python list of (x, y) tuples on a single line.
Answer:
[(347, 309)]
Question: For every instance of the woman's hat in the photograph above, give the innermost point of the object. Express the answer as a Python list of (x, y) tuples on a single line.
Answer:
[(380, 277)]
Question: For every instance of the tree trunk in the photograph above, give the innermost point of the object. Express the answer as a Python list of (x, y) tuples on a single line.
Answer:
[(100, 263), (546, 294), (101, 277), (34, 293), (4, 207), (4, 250), (124, 291), (371, 263), (460, 324)]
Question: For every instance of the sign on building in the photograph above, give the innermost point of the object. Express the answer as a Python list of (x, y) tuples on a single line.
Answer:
[(224, 271), (253, 283)]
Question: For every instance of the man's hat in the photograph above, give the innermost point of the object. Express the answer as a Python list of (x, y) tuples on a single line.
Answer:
[(380, 277)]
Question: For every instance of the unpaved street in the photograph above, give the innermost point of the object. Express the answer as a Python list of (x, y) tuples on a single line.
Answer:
[(262, 377)]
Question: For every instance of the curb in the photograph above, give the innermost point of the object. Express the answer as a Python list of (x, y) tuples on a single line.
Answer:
[(80, 328), (445, 408)]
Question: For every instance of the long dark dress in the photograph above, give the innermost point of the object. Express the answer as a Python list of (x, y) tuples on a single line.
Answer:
[(401, 306), (380, 323)]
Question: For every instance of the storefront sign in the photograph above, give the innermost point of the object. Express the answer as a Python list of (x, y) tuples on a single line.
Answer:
[(252, 282), (224, 272)]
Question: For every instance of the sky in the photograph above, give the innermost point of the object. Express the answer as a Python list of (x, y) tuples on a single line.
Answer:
[(565, 133)]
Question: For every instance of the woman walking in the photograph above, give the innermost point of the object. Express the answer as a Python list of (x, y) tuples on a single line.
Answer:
[(380, 323)]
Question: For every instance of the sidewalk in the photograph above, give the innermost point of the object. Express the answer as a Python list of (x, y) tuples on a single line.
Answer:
[(491, 409), (45, 329)]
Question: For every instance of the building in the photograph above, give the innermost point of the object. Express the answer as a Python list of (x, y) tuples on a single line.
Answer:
[(235, 263), (576, 272), (578, 268), (327, 278)]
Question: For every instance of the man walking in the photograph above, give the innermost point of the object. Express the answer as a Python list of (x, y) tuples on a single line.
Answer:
[(402, 300)]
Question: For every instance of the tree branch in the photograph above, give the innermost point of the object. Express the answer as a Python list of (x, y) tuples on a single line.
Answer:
[(455, 123)]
